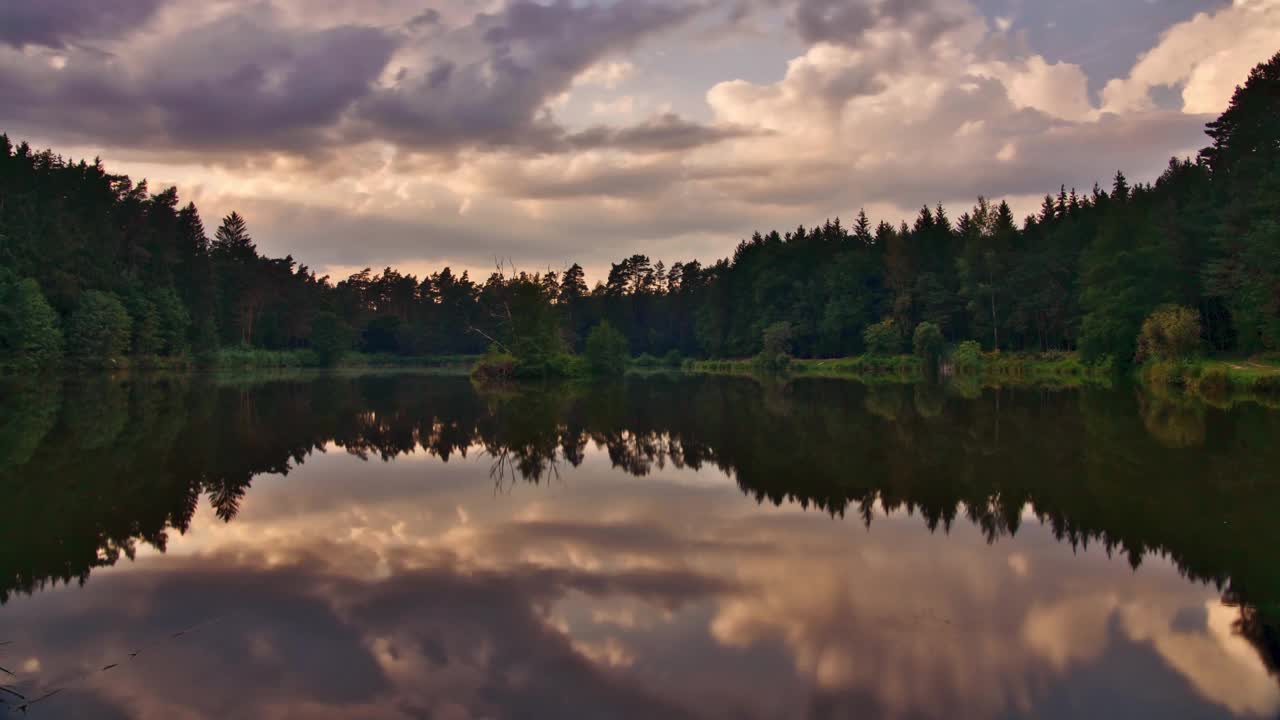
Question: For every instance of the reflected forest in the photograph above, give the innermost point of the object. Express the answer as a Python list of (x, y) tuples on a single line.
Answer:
[(93, 467)]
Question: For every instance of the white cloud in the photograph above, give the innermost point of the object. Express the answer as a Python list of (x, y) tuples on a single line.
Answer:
[(881, 122), (618, 107), (907, 111), (608, 74), (1206, 56)]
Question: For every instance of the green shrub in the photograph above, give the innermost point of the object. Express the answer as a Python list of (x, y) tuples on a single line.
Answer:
[(173, 322), (605, 352), (775, 352), (673, 359), (1103, 364), (29, 333), (883, 338), (927, 341), (248, 357), (1165, 374), (495, 365), (645, 360), (99, 330), (330, 337), (1172, 332), (145, 321), (565, 365), (1215, 383), (1267, 384), (967, 355)]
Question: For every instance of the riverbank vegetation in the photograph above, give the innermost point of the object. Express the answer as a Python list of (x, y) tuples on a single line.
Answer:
[(97, 270)]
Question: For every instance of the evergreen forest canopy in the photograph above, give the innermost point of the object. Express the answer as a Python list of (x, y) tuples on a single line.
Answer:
[(95, 268)]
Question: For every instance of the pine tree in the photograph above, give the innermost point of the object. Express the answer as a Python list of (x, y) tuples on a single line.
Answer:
[(232, 239)]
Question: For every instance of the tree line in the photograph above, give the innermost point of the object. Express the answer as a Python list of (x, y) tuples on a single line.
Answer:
[(95, 267)]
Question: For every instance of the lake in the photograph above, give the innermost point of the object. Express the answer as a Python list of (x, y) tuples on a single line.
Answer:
[(405, 546)]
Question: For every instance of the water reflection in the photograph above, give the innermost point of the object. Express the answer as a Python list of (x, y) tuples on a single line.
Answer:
[(444, 584)]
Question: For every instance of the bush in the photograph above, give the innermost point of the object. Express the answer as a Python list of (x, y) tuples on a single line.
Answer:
[(1215, 383), (330, 337), (1165, 374), (382, 335), (606, 351), (1172, 332), (1267, 385), (883, 338), (29, 333), (145, 322), (99, 329), (495, 366), (967, 355), (173, 321), (775, 353), (248, 357), (564, 365), (646, 361), (673, 359), (927, 342)]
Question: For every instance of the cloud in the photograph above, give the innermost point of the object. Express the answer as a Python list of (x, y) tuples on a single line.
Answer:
[(238, 81), (881, 122), (59, 23), (607, 74), (528, 54), (1206, 56), (290, 637), (847, 22), (661, 133), (325, 122), (256, 79)]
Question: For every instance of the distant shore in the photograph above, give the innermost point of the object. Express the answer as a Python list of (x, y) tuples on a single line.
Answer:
[(1218, 380)]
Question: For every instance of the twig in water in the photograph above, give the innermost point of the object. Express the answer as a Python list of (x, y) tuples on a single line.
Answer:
[(45, 696), (68, 682)]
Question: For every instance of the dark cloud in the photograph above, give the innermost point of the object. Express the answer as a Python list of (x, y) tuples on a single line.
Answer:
[(666, 132), (58, 23), (531, 53), (844, 22), (234, 83), (246, 81), (426, 18), (320, 643)]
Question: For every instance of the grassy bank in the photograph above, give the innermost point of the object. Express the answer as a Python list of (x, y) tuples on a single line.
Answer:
[(1054, 369), (252, 358), (1219, 381)]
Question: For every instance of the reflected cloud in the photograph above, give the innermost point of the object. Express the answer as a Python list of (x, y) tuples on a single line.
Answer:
[(649, 578)]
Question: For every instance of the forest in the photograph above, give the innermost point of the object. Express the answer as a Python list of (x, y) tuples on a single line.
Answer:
[(99, 271)]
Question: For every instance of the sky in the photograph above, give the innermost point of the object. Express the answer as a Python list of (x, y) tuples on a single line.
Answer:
[(420, 134)]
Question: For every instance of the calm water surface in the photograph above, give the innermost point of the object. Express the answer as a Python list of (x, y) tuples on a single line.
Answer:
[(412, 547)]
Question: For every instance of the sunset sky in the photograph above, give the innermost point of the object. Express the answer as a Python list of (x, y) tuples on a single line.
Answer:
[(417, 134)]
